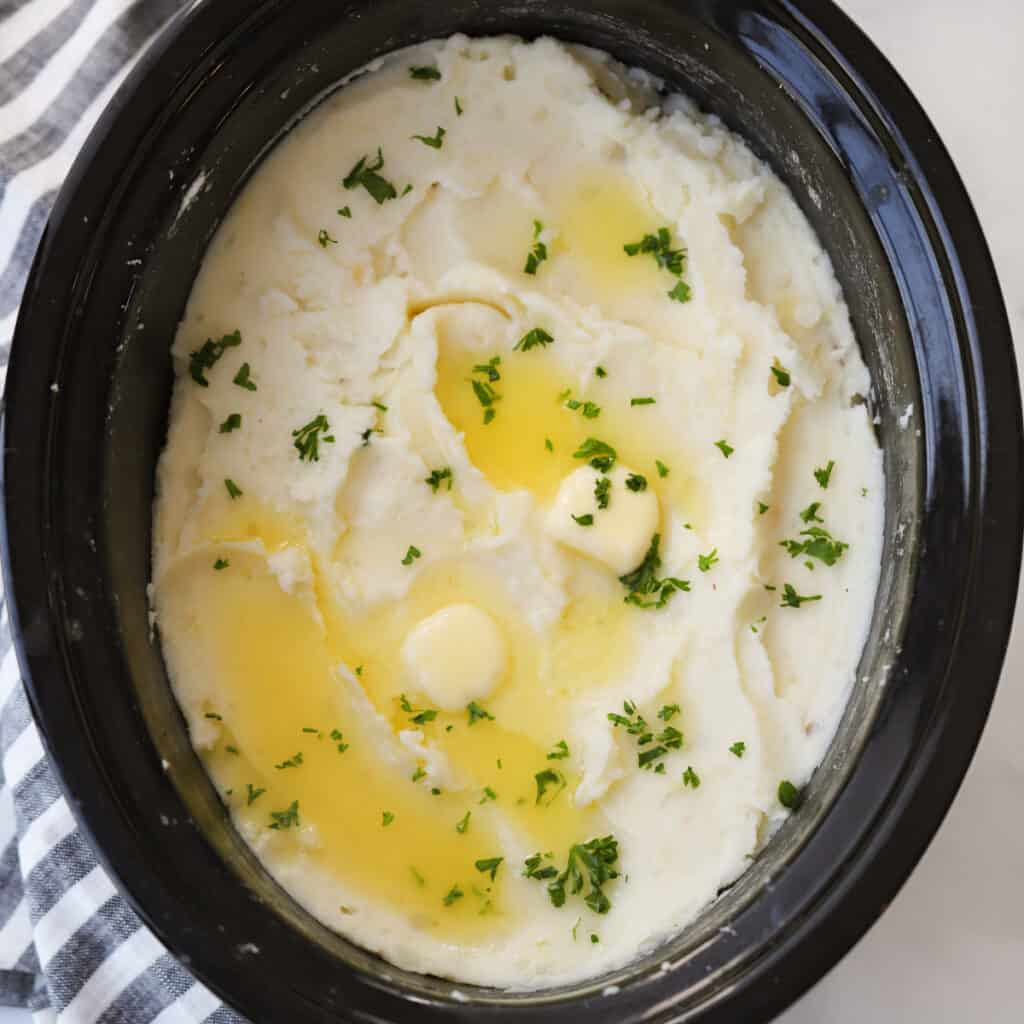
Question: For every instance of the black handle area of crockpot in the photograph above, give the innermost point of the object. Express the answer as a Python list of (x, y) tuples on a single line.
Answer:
[(819, 103)]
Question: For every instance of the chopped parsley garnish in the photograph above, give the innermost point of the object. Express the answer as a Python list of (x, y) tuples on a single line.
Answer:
[(539, 253), (600, 371), (425, 73), (559, 752), (670, 738), (438, 477), (213, 716), (636, 483), (485, 393), (345, 211), (293, 762), (315, 732), (411, 555), (704, 562), (596, 859), (242, 378), (365, 174), (662, 468), (532, 338), (477, 713), (488, 794), (791, 599), (642, 401), (781, 375), (602, 491), (325, 239), (406, 190), (489, 864), (810, 514), (725, 448), (417, 877), (233, 422), (590, 410), (418, 716), (691, 778), (545, 780), (286, 818), (585, 520), (221, 563), (367, 434), (820, 544), (252, 793), (789, 795), (308, 438), (762, 508), (547, 444), (435, 141), (463, 823), (379, 405), (336, 735), (668, 712), (454, 893), (206, 357), (386, 818), (659, 246), (680, 291), (458, 107), (419, 773), (234, 491), (824, 474), (646, 590), (231, 749), (739, 748), (602, 456)]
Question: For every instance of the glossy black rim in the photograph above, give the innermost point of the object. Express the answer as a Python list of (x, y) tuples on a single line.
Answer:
[(914, 759)]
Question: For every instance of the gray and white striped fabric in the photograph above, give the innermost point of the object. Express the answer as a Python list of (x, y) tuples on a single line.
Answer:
[(70, 948)]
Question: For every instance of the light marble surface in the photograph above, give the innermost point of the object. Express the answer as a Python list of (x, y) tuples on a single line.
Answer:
[(951, 946)]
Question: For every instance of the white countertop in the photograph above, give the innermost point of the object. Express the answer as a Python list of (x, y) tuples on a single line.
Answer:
[(951, 946)]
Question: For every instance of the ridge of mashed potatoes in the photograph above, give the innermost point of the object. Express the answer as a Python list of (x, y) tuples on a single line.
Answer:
[(398, 659)]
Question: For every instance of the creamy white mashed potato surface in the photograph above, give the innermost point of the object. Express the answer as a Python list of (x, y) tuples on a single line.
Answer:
[(519, 524)]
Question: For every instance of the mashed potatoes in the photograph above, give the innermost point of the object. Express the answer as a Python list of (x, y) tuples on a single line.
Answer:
[(518, 527)]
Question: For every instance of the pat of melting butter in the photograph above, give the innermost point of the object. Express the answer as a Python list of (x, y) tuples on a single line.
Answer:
[(454, 656), (616, 530)]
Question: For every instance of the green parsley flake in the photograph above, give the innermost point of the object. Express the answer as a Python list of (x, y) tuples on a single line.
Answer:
[(824, 474), (489, 864), (206, 357), (545, 780), (454, 893), (463, 823), (602, 491), (602, 456), (252, 793), (435, 141), (646, 590), (680, 292), (365, 174), (789, 795), (425, 73), (691, 778), (739, 748), (418, 774), (662, 468), (221, 563), (810, 514), (287, 818), (725, 448), (234, 491), (213, 716), (458, 107), (559, 752), (636, 483), (820, 544), (411, 555), (325, 239), (293, 762), (704, 562), (590, 410), (417, 877), (308, 438), (762, 508), (781, 375), (668, 712), (242, 378), (438, 477), (791, 599), (659, 246), (642, 401), (488, 795), (386, 818), (485, 393), (533, 338), (477, 713), (539, 253), (649, 756), (600, 371), (547, 444), (585, 520), (345, 211), (594, 859), (233, 422)]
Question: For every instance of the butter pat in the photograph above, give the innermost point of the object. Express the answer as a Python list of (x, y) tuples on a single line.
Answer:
[(620, 533), (454, 656)]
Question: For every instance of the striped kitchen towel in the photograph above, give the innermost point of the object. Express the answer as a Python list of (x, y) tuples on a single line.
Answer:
[(70, 948)]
